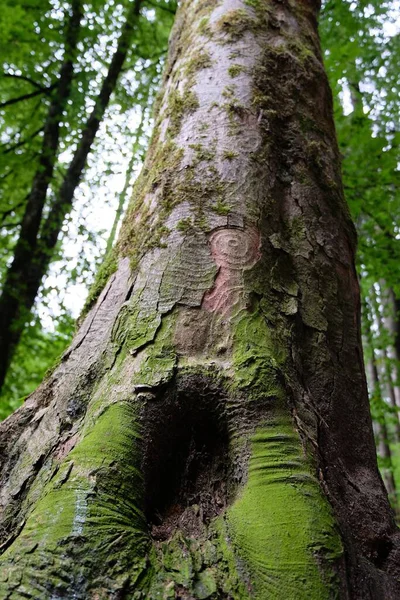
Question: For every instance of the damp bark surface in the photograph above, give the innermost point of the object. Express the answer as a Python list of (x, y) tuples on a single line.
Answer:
[(207, 434)]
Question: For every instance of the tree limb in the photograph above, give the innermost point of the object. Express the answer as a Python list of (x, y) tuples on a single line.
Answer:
[(23, 142), (20, 98), (28, 79)]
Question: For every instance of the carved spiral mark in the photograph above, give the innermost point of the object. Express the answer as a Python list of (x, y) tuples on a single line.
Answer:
[(235, 249)]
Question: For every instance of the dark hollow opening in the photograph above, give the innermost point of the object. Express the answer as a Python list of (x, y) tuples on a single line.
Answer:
[(186, 459)]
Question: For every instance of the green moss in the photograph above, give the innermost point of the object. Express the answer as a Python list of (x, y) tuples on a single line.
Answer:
[(221, 208), (184, 225), (202, 153), (235, 70), (179, 105), (160, 361), (142, 230), (204, 25), (197, 187), (281, 524), (229, 154), (134, 328), (92, 506), (199, 568), (229, 92), (234, 23), (235, 111), (257, 356), (201, 60)]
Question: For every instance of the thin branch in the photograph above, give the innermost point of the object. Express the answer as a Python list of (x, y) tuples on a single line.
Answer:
[(25, 141), (11, 225), (171, 11), (6, 213), (24, 97), (25, 78)]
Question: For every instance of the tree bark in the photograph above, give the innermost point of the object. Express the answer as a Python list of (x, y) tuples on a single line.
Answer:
[(207, 434), (396, 305), (380, 409)]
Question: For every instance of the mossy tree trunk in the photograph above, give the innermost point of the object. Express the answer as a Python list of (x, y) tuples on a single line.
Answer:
[(207, 435)]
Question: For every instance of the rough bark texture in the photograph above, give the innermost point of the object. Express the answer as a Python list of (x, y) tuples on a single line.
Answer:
[(207, 435)]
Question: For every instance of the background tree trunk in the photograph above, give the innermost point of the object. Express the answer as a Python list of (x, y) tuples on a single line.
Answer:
[(38, 236), (19, 291), (207, 435)]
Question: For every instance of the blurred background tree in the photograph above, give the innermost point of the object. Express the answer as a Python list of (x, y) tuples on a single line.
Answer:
[(362, 54), (59, 127)]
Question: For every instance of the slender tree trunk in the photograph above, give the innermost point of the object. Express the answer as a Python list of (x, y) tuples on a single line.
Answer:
[(15, 299), (123, 197), (387, 368), (382, 434), (208, 435), (35, 247), (394, 328), (380, 408), (396, 307), (385, 453)]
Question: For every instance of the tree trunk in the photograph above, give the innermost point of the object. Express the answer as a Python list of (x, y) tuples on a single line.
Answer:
[(208, 435), (396, 307), (124, 195), (38, 236), (17, 295), (382, 434), (393, 325), (385, 453), (387, 368)]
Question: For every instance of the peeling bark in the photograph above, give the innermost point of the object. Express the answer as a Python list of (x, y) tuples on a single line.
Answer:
[(208, 435)]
